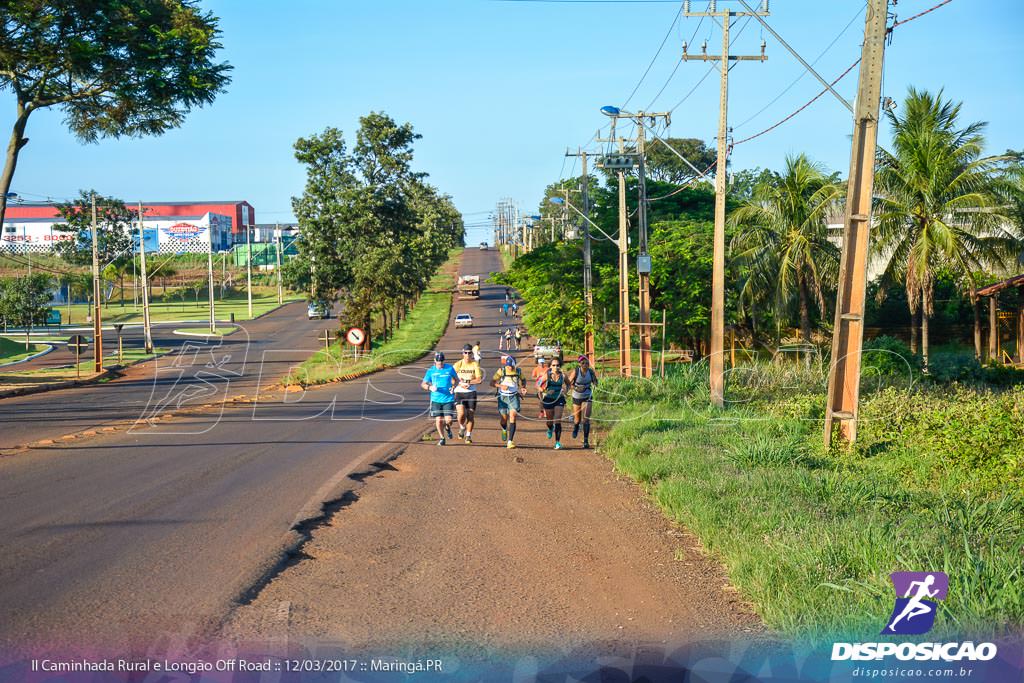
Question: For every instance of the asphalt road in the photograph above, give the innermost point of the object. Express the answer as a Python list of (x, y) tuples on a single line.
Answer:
[(261, 349), (158, 533)]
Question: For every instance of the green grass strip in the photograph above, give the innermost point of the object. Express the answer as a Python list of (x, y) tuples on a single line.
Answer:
[(417, 335)]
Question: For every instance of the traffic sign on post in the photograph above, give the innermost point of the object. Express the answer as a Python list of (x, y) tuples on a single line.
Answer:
[(77, 343), (355, 336), (120, 349)]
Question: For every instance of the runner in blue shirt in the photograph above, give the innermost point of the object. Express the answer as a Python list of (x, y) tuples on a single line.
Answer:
[(440, 380)]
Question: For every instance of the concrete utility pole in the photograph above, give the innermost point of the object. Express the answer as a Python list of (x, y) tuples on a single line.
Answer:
[(625, 345), (717, 350), (147, 330), (588, 289), (209, 273), (277, 249), (848, 333), (248, 266), (97, 323)]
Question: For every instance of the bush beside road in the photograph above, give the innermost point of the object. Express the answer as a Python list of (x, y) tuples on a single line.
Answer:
[(934, 483)]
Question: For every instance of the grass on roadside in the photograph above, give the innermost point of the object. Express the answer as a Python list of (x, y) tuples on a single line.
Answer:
[(167, 307), (417, 335), (810, 536), (12, 350)]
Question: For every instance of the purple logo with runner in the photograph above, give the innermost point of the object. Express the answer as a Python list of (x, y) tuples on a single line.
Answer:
[(916, 596)]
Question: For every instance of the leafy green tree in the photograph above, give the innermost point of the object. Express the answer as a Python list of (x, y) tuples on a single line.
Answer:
[(782, 238), (24, 302), (114, 67), (938, 202), (114, 222), (663, 165), (373, 230)]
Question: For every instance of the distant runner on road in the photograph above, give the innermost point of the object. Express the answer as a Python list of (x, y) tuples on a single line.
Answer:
[(470, 375), (440, 379), (552, 399), (582, 380), (504, 308), (536, 374), (477, 356), (519, 338), (510, 384)]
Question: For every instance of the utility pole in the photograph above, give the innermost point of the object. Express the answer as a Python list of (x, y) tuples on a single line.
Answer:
[(625, 347), (588, 289), (209, 273), (717, 350), (97, 323), (147, 330), (848, 334), (643, 261), (248, 266), (280, 281)]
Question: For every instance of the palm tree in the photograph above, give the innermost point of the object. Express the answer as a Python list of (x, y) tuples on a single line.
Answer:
[(937, 202), (783, 240)]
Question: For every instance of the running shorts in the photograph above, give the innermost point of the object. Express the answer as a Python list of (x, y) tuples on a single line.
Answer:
[(442, 409), (507, 403), (467, 399)]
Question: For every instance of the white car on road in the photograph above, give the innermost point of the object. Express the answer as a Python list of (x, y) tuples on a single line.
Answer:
[(463, 320)]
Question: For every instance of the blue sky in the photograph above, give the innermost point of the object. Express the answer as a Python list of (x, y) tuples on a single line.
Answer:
[(500, 89)]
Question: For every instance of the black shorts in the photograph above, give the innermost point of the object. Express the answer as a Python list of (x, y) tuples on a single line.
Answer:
[(466, 399), (560, 401)]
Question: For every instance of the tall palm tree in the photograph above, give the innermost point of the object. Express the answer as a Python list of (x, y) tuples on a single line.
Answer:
[(938, 203), (783, 240)]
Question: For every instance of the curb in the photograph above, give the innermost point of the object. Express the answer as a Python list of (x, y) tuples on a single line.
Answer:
[(49, 347), (109, 373)]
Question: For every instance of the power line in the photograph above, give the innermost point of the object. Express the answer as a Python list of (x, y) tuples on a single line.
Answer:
[(664, 40), (710, 68), (803, 73)]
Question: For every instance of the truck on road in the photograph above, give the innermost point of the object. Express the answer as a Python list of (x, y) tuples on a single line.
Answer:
[(469, 286)]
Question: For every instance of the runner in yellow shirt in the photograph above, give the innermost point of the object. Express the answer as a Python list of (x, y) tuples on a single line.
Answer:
[(470, 374)]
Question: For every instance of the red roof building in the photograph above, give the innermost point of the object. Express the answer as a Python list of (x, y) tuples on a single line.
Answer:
[(241, 212)]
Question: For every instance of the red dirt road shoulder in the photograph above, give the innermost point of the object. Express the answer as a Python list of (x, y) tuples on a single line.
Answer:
[(479, 546)]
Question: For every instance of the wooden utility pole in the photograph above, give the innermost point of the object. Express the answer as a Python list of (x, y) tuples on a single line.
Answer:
[(97, 323), (848, 333), (717, 350)]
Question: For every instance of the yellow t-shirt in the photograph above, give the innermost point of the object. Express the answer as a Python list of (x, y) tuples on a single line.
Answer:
[(467, 370)]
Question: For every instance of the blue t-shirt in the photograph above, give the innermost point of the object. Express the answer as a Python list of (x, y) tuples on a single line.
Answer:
[(444, 379)]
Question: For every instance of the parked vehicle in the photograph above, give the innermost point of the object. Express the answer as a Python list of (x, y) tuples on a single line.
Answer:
[(483, 246), (463, 320), (547, 348)]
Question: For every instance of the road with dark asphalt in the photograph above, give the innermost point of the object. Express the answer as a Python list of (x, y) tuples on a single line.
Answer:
[(196, 372), (127, 537)]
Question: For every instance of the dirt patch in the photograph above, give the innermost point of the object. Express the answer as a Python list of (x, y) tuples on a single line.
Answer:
[(477, 546)]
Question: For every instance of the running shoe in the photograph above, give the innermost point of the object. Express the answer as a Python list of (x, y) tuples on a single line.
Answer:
[(558, 445), (441, 441), (550, 433), (575, 430), (462, 432), (448, 429), (504, 434), (510, 445), (469, 438), (586, 444)]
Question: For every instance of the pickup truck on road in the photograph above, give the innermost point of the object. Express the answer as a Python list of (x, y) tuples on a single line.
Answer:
[(547, 348)]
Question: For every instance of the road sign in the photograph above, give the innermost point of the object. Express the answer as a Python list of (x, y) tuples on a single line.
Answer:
[(355, 336), (78, 343)]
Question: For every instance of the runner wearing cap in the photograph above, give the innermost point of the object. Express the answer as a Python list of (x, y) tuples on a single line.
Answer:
[(440, 379), (470, 374), (582, 380), (509, 382)]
